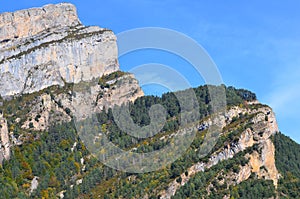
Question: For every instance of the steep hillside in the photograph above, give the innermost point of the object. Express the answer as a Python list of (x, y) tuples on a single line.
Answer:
[(57, 74), (54, 161), (287, 155)]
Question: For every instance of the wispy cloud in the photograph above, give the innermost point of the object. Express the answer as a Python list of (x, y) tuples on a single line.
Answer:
[(284, 96)]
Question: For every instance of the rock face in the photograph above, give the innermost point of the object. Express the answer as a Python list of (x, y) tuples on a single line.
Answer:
[(125, 88), (45, 112), (4, 140), (48, 110), (261, 163), (48, 46), (26, 23)]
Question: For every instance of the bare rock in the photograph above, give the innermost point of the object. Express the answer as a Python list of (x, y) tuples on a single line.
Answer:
[(48, 46), (4, 140), (34, 184), (26, 23)]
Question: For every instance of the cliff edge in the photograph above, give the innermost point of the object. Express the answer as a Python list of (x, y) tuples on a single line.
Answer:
[(47, 46)]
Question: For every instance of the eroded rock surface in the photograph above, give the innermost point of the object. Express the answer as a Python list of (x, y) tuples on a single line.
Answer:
[(48, 46), (261, 163)]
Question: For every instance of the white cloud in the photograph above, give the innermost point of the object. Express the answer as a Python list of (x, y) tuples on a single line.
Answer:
[(285, 100)]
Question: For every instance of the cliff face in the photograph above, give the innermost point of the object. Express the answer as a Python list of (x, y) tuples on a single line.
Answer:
[(42, 48), (48, 46), (27, 23)]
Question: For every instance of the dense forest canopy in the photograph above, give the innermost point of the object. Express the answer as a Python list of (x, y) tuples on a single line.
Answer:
[(54, 157)]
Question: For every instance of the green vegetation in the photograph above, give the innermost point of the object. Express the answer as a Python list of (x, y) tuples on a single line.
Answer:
[(54, 157), (254, 188), (287, 155)]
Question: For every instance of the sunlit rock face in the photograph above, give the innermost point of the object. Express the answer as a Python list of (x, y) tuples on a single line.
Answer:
[(48, 46)]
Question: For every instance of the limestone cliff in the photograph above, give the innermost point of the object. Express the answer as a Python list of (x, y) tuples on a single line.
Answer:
[(48, 46), (26, 23)]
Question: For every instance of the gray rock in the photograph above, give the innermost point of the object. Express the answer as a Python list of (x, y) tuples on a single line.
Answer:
[(26, 23), (34, 184), (48, 46)]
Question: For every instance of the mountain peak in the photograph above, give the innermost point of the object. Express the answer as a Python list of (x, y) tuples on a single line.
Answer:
[(25, 23), (42, 47)]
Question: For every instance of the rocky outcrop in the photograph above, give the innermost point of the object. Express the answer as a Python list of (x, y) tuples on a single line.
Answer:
[(46, 112), (48, 46), (4, 140), (50, 109), (261, 163), (118, 91), (26, 23), (123, 89), (34, 184)]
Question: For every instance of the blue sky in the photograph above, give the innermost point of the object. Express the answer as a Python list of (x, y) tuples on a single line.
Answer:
[(255, 44)]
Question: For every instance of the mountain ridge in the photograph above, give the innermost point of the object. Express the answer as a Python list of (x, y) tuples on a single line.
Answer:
[(59, 70)]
